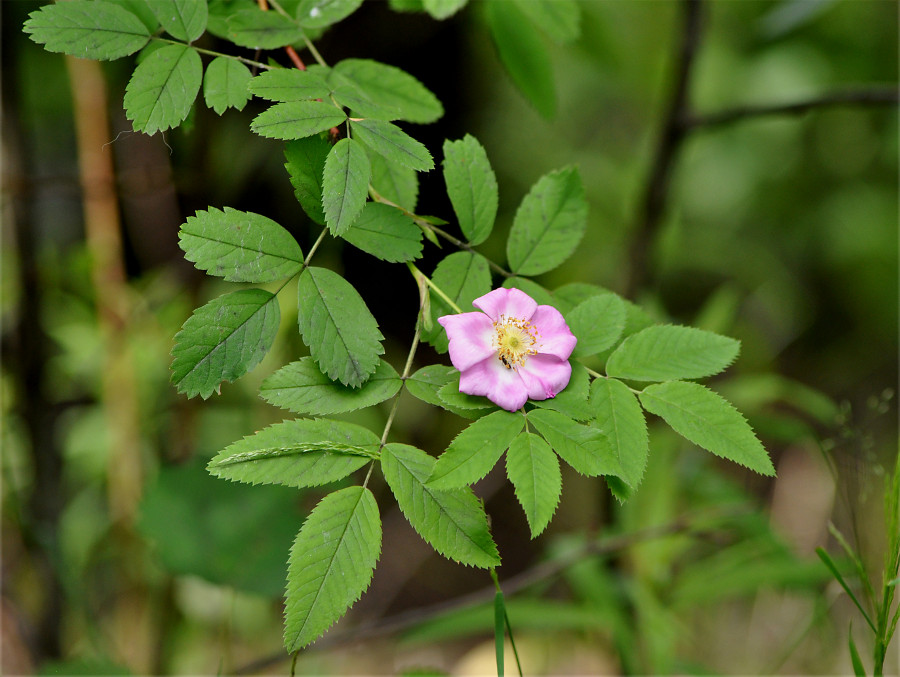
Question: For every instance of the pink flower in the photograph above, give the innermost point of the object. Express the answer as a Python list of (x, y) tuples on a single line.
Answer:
[(513, 350)]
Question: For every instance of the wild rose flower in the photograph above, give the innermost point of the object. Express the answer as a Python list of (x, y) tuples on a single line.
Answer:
[(512, 351)]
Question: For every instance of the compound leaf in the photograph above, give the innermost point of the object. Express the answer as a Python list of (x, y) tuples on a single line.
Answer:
[(463, 276), (290, 84), (163, 88), (619, 416), (597, 322), (182, 19), (297, 119), (471, 186), (305, 166), (533, 469), (392, 143), (345, 184), (225, 84), (386, 233), (573, 400), (585, 449), (397, 94)]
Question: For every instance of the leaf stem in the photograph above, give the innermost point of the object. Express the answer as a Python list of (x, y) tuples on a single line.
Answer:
[(467, 247), (315, 246), (210, 52), (419, 275), (406, 369), (312, 50)]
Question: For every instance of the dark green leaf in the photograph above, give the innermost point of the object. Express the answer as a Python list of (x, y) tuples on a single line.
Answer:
[(345, 185), (397, 93), (597, 323), (306, 165), (386, 233), (323, 13), (560, 19), (619, 417), (225, 84), (464, 277), (395, 182), (182, 19), (297, 119), (290, 84), (392, 143), (585, 449), (257, 29), (471, 186), (163, 88), (533, 469)]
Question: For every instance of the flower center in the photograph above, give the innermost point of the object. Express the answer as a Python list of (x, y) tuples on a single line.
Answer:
[(515, 340)]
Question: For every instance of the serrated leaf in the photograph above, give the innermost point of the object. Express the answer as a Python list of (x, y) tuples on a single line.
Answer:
[(395, 182), (345, 185), (341, 333), (618, 415), (396, 93), (597, 322), (667, 352), (290, 84), (303, 389), (240, 246), (257, 29), (533, 469), (386, 233), (297, 453), (586, 449), (560, 19), (471, 186), (140, 9), (451, 521), (223, 340), (450, 395), (225, 84), (392, 143), (523, 54), (573, 400), (549, 223), (323, 13), (463, 276), (331, 563), (443, 9), (182, 19), (709, 421), (163, 88), (427, 382), (305, 166), (476, 450), (89, 30), (297, 119)]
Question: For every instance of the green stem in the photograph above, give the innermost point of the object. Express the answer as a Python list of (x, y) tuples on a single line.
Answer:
[(418, 274), (499, 602), (209, 52), (467, 247), (312, 250), (312, 50), (403, 376)]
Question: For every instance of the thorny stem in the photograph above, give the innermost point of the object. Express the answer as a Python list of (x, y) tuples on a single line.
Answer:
[(419, 275)]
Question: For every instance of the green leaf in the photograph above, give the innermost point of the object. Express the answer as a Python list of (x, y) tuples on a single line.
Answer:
[(427, 383), (223, 340), (533, 469), (345, 185), (297, 119), (305, 166), (257, 29), (476, 450), (341, 333), (323, 13), (396, 182), (833, 568), (182, 19), (240, 246), (443, 9), (530, 287), (549, 223), (303, 389), (386, 233), (463, 276), (297, 453), (140, 9), (709, 421), (859, 670), (667, 352), (585, 449), (452, 521), (597, 323), (471, 186), (560, 19), (331, 563), (225, 84), (392, 143), (290, 84), (523, 54), (450, 395), (573, 400), (89, 30), (619, 416), (163, 88), (398, 94)]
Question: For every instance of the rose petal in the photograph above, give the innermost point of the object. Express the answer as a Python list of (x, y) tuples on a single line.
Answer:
[(502, 386), (554, 334), (508, 302), (545, 376), (471, 336)]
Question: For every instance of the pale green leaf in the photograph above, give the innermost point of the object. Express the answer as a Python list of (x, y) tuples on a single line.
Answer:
[(331, 563), (709, 421), (427, 383), (297, 119), (530, 287), (392, 143), (345, 185), (397, 93), (323, 13), (225, 84), (395, 182), (549, 223), (476, 450), (452, 521), (89, 30), (182, 19), (297, 453), (305, 166), (463, 276), (341, 333), (240, 246), (666, 352), (533, 469), (586, 449), (451, 396), (257, 29), (303, 389), (443, 9), (560, 19), (163, 88), (619, 416), (290, 84), (386, 233), (597, 323), (573, 400), (471, 186), (223, 340)]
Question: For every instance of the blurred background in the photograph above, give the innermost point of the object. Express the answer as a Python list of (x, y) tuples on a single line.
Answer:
[(120, 554)]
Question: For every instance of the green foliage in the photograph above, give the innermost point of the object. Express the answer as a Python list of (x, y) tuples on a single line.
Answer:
[(452, 521), (305, 165), (297, 119), (240, 246), (391, 92), (345, 184), (256, 29), (533, 469), (223, 340), (442, 9), (386, 233), (560, 19), (584, 448), (392, 143), (331, 563), (323, 13), (225, 84), (463, 277), (573, 400), (162, 90), (471, 186), (618, 414), (182, 19), (597, 322), (429, 382), (290, 84)]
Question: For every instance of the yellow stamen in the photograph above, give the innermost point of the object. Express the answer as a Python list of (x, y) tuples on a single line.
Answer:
[(515, 341)]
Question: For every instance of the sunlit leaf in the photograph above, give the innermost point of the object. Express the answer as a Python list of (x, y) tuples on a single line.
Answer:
[(297, 119), (533, 469), (619, 416), (584, 448), (442, 9)]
